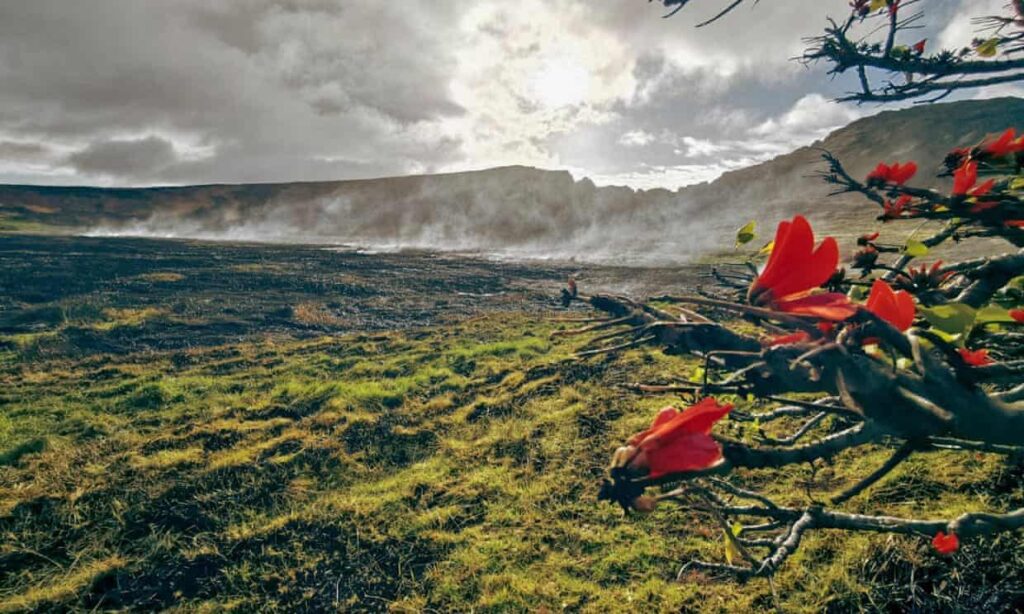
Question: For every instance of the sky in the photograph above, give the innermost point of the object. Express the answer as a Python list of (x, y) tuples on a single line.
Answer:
[(171, 92)]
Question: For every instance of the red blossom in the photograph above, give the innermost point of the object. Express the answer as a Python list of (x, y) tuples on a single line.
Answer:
[(918, 47), (1017, 315), (981, 207), (1014, 223), (1006, 144), (975, 358), (923, 279), (894, 210), (965, 177), (895, 173), (984, 188), (797, 337), (679, 441), (795, 269), (896, 308), (945, 544)]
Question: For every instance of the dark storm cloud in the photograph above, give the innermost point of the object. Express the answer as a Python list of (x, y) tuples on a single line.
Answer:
[(127, 158), (284, 87), (194, 91)]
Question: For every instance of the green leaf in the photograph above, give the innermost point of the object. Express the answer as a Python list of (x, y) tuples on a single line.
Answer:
[(915, 248), (952, 318), (732, 551), (697, 376), (746, 234), (992, 313), (900, 50), (941, 334), (989, 48)]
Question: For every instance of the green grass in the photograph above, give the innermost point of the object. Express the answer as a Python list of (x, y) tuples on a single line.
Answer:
[(450, 469)]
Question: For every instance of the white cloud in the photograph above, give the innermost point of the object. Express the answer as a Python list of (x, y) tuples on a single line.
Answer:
[(812, 117), (277, 90), (636, 138)]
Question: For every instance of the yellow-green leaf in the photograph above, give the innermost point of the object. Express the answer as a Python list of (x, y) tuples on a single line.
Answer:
[(698, 375), (877, 5), (767, 249), (988, 48), (746, 234), (732, 551), (915, 248), (952, 318), (992, 313)]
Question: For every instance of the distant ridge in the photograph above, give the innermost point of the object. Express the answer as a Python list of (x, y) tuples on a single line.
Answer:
[(527, 211)]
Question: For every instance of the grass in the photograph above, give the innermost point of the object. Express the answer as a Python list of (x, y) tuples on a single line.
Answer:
[(451, 468)]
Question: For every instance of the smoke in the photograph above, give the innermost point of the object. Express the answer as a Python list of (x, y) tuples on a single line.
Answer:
[(512, 212)]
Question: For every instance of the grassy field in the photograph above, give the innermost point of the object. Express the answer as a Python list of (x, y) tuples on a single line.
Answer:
[(404, 448)]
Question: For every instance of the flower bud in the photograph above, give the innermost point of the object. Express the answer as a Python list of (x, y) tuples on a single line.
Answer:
[(645, 504)]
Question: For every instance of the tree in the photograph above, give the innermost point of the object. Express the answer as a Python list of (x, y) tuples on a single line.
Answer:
[(884, 354), (876, 42)]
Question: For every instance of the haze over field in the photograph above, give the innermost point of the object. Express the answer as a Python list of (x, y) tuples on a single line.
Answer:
[(522, 212), (429, 93)]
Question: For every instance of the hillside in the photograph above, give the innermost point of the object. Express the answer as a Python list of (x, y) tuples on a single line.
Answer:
[(786, 184), (520, 210)]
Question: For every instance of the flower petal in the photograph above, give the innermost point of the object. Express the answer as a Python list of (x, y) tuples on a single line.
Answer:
[(832, 306), (689, 452)]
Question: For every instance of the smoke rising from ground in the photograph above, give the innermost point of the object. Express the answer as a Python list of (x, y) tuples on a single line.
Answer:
[(511, 212)]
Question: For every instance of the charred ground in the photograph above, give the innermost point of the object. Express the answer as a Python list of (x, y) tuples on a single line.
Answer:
[(217, 427)]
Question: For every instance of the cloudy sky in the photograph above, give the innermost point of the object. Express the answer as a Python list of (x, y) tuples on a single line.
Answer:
[(143, 92)]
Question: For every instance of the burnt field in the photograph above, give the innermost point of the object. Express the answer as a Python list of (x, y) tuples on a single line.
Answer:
[(78, 295), (65, 295), (226, 427)]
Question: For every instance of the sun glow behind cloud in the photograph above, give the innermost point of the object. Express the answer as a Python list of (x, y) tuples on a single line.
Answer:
[(561, 82), (282, 91)]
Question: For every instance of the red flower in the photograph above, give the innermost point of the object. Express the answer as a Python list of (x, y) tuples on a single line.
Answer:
[(975, 358), (1006, 144), (894, 210), (679, 441), (923, 279), (918, 47), (945, 544), (965, 177), (981, 207), (1014, 223), (797, 337), (896, 173), (1017, 315), (896, 308), (795, 269), (868, 238)]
